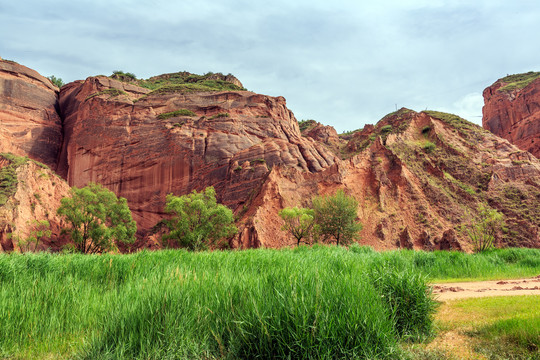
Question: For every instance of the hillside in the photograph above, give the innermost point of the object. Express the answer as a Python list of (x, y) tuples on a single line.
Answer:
[(417, 176)]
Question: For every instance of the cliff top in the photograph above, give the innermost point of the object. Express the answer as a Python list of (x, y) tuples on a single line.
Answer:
[(183, 81), (517, 81)]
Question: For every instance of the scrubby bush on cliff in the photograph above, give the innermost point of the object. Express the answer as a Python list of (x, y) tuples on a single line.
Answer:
[(39, 230), (298, 221), (56, 81), (98, 219), (335, 217), (198, 221)]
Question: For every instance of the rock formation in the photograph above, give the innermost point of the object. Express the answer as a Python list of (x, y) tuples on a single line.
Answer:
[(29, 121), (417, 176), (33, 192), (512, 110), (145, 144)]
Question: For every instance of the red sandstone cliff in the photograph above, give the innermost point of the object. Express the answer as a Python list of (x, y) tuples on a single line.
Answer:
[(512, 110), (230, 140), (29, 122)]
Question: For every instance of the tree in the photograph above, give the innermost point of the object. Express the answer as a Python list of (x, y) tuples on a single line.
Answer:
[(198, 221), (335, 217), (99, 220), (56, 81), (298, 221), (484, 228)]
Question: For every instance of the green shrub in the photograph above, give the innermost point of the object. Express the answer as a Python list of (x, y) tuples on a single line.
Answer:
[(58, 82), (426, 129), (386, 129), (181, 112), (220, 115), (123, 76), (428, 146)]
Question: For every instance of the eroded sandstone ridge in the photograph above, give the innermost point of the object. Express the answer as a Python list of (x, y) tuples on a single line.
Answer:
[(418, 177), (29, 121), (512, 110)]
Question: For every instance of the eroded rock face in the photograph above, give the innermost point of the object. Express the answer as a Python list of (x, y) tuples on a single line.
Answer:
[(417, 179), (120, 135), (36, 197), (29, 121), (514, 114)]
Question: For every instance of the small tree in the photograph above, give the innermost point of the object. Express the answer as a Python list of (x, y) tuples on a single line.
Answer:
[(484, 228), (335, 217), (198, 221), (39, 231), (298, 221), (99, 220)]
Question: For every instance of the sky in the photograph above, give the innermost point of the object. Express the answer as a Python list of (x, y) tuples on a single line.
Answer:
[(343, 63)]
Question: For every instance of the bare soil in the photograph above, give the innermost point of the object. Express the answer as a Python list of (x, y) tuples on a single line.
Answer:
[(464, 290)]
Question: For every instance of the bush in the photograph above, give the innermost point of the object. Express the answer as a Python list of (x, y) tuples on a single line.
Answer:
[(429, 146), (56, 81), (198, 221)]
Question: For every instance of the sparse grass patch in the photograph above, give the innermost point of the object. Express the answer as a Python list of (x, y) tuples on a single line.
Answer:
[(181, 112), (220, 115), (499, 327)]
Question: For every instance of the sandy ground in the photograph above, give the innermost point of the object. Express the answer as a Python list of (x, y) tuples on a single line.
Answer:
[(463, 290)]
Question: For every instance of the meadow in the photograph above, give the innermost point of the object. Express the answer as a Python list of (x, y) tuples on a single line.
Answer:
[(304, 303)]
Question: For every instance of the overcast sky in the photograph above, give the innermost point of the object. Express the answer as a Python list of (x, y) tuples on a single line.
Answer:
[(342, 63)]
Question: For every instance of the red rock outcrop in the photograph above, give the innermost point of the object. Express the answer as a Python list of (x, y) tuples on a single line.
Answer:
[(417, 179), (29, 121), (114, 135), (513, 112), (36, 196)]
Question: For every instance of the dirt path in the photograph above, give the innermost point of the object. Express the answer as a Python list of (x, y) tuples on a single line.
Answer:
[(463, 290)]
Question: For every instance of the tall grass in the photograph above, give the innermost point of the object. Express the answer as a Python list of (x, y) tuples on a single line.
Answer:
[(320, 302)]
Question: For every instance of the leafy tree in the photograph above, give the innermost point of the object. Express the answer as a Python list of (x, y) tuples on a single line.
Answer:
[(56, 81), (98, 219), (335, 217), (298, 221), (198, 221), (484, 228)]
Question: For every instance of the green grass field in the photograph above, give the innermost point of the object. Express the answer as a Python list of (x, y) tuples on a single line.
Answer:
[(304, 303)]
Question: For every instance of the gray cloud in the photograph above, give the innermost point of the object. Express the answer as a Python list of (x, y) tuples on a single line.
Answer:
[(344, 64)]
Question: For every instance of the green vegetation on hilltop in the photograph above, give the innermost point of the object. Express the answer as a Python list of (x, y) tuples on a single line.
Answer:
[(303, 303), (179, 82), (306, 125), (518, 81)]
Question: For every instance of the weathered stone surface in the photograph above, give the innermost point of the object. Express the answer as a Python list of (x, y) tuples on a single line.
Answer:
[(29, 121), (514, 114), (231, 143), (407, 190), (37, 197)]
